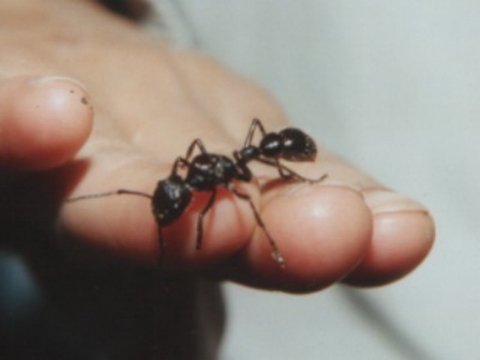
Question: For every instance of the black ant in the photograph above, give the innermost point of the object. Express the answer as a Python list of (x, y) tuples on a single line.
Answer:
[(206, 171), (290, 144)]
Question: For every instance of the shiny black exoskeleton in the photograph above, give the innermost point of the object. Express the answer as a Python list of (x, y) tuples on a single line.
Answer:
[(204, 172), (207, 171), (289, 144)]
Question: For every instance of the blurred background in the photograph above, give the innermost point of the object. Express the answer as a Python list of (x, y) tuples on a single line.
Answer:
[(394, 87)]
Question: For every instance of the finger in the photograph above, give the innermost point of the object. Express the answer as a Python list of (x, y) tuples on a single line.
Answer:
[(403, 236), (348, 227), (43, 122), (322, 233), (124, 225), (403, 231)]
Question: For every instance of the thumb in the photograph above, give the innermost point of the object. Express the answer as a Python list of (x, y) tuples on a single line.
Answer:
[(43, 122)]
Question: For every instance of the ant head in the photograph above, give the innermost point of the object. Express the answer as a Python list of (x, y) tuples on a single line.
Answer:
[(170, 199), (297, 146)]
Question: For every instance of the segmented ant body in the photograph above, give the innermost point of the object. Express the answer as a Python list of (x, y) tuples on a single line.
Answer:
[(207, 171), (289, 144)]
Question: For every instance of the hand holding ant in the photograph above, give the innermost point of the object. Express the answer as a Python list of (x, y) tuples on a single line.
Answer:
[(150, 101), (324, 232), (206, 171)]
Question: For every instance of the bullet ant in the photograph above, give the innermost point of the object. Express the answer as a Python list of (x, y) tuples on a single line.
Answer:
[(207, 171)]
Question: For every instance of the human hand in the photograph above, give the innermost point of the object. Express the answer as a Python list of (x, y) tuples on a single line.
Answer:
[(150, 102)]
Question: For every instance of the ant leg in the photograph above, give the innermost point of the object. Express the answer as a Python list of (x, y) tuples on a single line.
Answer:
[(244, 172), (275, 251), (287, 173), (202, 214), (179, 162), (110, 193), (185, 161), (256, 123), (195, 143), (127, 192)]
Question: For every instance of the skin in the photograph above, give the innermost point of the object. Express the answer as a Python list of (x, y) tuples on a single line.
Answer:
[(127, 117), (89, 109)]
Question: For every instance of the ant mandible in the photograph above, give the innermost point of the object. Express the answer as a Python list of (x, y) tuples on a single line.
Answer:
[(207, 171)]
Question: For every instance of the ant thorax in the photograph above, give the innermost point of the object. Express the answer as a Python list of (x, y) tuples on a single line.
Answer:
[(208, 170)]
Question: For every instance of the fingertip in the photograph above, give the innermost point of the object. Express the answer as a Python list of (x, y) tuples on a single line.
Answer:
[(43, 121), (322, 233), (400, 242)]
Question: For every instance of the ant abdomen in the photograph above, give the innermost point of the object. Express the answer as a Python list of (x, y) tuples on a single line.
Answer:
[(271, 145), (289, 144), (296, 145)]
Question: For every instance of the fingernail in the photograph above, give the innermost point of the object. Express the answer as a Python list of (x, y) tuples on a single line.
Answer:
[(48, 79), (383, 201)]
